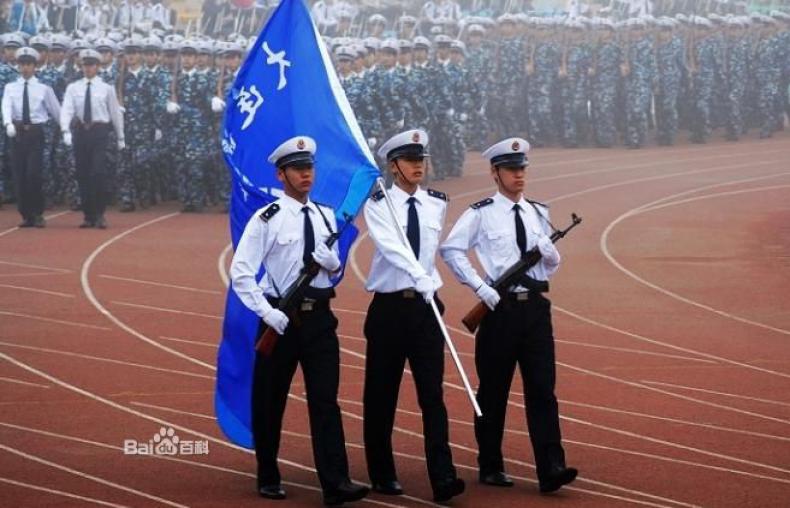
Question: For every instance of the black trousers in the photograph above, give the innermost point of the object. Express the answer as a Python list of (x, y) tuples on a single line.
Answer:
[(517, 332), (90, 156), (313, 344), (27, 160), (398, 329)]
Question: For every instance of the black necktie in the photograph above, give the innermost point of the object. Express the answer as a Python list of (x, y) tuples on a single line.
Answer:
[(413, 227), (309, 236), (87, 114), (521, 233), (25, 107)]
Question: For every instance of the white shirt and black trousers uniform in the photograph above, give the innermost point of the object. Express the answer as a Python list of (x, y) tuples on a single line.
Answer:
[(28, 105), (90, 111), (517, 332), (400, 326), (280, 237)]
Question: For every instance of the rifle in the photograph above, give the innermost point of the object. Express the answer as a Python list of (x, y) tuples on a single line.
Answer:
[(295, 294), (514, 275)]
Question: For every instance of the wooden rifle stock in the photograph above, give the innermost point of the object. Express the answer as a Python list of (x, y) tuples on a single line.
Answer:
[(474, 317)]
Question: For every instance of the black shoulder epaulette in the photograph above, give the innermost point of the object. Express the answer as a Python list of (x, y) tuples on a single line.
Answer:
[(438, 194), (481, 204), (270, 212), (537, 203), (377, 196)]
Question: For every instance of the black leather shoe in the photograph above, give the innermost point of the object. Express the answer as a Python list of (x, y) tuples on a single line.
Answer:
[(556, 478), (390, 488), (448, 489), (27, 223), (346, 492), (86, 224), (271, 491), (39, 222), (497, 479)]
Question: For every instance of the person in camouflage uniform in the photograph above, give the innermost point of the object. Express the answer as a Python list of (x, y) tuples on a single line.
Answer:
[(48, 76), (193, 109), (420, 110), (703, 75), (164, 172), (768, 73), (507, 90), (639, 75), (8, 73), (462, 89), (416, 113), (574, 78), (443, 110), (479, 63), (544, 68), (231, 61), (390, 88), (737, 60), (670, 60), (135, 85), (605, 74), (63, 72)]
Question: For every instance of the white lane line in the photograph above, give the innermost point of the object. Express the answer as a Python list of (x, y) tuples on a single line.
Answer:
[(161, 284), (31, 274), (187, 341), (91, 477), (50, 320), (47, 217), (418, 435), (86, 288), (615, 169), (634, 351), (39, 267), (171, 410), (604, 241), (25, 383), (148, 417), (222, 263), (670, 420), (35, 290), (166, 309), (60, 493), (103, 359), (725, 394), (177, 460)]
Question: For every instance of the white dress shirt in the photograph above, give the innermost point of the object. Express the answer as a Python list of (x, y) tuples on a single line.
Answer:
[(43, 103), (490, 230), (104, 105), (393, 267), (277, 243)]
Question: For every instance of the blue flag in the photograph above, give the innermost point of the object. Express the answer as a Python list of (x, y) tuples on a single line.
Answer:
[(285, 88)]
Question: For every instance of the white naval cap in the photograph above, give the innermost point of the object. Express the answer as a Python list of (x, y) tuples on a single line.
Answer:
[(26, 53), (89, 54), (297, 151), (511, 152), (411, 143)]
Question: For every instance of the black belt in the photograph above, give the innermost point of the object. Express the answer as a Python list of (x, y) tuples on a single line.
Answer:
[(28, 127), (404, 294), (306, 305), (93, 125)]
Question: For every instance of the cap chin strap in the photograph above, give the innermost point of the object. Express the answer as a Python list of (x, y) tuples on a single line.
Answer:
[(401, 172)]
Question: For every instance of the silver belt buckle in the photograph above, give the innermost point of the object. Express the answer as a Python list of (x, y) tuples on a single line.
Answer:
[(307, 305), (409, 293), (523, 296)]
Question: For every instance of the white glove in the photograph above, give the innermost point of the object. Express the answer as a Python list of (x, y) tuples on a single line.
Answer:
[(326, 257), (67, 138), (277, 320), (425, 287), (482, 111), (462, 117), (122, 109), (548, 250), (10, 130), (488, 295), (450, 112), (121, 144), (157, 135), (372, 142), (172, 107), (217, 105), (399, 124)]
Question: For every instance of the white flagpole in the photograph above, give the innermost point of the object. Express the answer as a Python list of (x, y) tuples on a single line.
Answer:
[(442, 326)]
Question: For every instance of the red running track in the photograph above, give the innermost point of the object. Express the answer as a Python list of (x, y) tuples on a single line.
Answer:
[(672, 324)]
